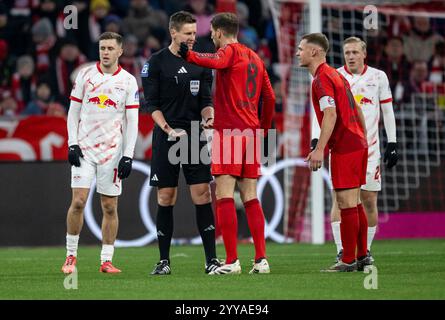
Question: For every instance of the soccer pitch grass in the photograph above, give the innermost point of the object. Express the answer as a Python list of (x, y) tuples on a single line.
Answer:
[(407, 269)]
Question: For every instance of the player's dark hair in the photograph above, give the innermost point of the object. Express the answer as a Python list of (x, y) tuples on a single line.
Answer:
[(318, 39), (178, 19), (111, 35), (227, 22)]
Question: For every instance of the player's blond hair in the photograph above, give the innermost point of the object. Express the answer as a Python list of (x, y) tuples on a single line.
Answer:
[(356, 40)]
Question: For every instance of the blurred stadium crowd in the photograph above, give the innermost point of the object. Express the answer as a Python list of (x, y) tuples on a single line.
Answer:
[(38, 55)]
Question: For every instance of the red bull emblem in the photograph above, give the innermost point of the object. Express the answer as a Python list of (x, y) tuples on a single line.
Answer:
[(362, 100), (103, 101), (365, 100)]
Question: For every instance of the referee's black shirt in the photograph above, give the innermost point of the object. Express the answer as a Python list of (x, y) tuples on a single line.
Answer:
[(177, 88)]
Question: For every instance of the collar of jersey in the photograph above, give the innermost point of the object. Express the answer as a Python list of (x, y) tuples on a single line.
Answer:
[(119, 68), (363, 72)]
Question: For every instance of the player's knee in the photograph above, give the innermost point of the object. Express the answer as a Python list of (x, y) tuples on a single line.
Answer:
[(166, 198), (202, 196), (245, 197), (78, 204), (109, 209), (344, 203)]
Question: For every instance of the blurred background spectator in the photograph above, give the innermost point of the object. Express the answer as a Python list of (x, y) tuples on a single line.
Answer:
[(437, 63), (418, 76), (420, 41), (68, 59), (393, 61), (43, 102), (143, 20), (24, 80), (8, 106)]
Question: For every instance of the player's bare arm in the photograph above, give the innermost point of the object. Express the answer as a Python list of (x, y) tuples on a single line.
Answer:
[(158, 118), (315, 158)]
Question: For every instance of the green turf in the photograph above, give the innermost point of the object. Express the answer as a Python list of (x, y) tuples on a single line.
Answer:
[(407, 269)]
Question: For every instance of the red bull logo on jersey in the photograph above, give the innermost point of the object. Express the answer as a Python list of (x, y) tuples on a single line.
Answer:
[(103, 101), (362, 100)]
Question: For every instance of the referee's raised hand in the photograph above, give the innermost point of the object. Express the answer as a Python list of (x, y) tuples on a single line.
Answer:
[(183, 50)]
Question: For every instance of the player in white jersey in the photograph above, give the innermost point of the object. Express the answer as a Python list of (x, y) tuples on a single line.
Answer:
[(102, 132), (372, 93)]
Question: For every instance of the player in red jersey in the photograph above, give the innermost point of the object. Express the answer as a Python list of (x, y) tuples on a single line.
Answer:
[(343, 131), (241, 79)]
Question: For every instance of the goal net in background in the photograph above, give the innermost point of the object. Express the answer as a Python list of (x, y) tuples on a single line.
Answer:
[(417, 183)]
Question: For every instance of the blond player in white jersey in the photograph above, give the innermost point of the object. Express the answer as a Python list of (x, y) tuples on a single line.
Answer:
[(372, 93), (102, 132)]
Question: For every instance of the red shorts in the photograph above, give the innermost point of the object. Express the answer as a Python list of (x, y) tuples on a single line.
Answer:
[(237, 155), (348, 170)]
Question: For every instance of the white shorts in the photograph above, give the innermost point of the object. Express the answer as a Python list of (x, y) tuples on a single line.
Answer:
[(373, 177), (107, 181)]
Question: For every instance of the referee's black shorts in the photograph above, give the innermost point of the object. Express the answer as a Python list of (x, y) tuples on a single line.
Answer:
[(164, 174)]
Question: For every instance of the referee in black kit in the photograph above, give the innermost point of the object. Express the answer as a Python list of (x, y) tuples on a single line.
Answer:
[(176, 94)]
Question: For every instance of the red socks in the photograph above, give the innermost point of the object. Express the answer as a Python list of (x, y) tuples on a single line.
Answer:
[(255, 219), (362, 243), (228, 223), (349, 230)]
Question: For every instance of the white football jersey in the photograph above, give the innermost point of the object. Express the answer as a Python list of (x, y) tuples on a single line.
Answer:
[(104, 98), (371, 90)]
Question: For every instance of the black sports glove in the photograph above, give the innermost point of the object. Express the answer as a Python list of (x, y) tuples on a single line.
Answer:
[(74, 153), (124, 169), (391, 157), (183, 50), (314, 144)]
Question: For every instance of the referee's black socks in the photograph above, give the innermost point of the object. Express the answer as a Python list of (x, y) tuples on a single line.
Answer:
[(164, 227), (206, 227)]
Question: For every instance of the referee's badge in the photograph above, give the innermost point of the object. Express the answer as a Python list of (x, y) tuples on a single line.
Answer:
[(194, 87), (144, 71)]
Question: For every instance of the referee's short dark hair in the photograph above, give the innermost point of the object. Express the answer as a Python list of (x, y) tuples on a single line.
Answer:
[(178, 19), (227, 22), (111, 35)]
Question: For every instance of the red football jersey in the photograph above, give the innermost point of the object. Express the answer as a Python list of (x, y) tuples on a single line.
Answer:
[(241, 79), (348, 134)]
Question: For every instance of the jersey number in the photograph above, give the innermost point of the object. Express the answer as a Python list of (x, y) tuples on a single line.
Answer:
[(251, 86), (377, 173)]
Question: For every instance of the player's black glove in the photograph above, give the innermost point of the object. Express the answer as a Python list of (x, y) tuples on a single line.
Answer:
[(183, 50), (124, 169), (74, 153), (391, 157), (314, 144)]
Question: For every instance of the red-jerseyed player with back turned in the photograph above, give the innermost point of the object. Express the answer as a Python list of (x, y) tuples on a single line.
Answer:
[(241, 79), (343, 130)]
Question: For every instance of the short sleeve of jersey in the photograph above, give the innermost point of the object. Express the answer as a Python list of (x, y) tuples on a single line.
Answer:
[(384, 89), (150, 76), (132, 101), (324, 92), (206, 92), (78, 87)]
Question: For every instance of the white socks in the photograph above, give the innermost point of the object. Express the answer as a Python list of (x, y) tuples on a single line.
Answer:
[(72, 242), (371, 234), (337, 237), (107, 253), (336, 233)]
